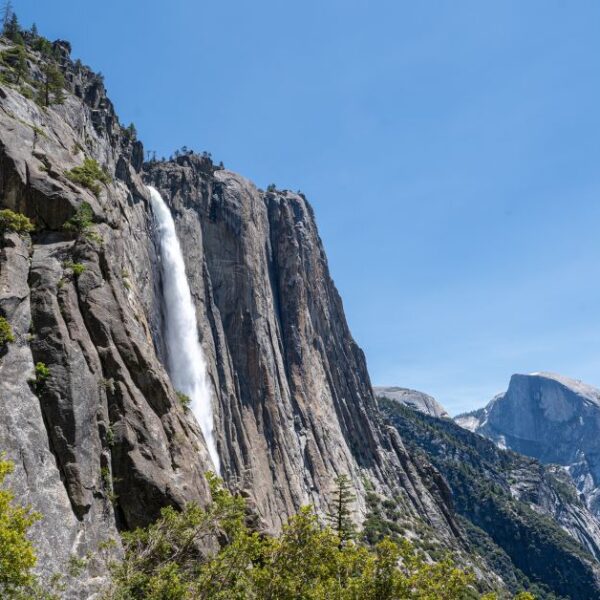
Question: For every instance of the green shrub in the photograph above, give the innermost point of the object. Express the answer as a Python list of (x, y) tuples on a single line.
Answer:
[(43, 46), (17, 555), (306, 560), (26, 91), (184, 400), (110, 436), (12, 221), (82, 220), (77, 268), (6, 333), (89, 175), (42, 372)]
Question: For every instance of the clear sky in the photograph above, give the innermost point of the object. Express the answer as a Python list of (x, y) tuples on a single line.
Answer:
[(451, 150)]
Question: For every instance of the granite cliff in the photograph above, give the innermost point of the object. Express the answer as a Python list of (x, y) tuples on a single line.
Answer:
[(549, 417), (99, 435), (524, 518), (413, 399), (96, 431)]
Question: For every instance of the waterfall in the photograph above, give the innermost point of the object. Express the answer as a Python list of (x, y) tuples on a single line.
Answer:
[(186, 362)]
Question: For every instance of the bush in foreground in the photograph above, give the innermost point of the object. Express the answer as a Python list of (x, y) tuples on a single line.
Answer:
[(17, 555), (169, 561)]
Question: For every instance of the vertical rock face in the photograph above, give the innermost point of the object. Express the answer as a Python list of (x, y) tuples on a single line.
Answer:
[(102, 443), (293, 399), (552, 418)]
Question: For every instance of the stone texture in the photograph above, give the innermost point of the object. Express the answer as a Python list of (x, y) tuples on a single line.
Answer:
[(413, 399), (103, 443), (294, 406), (522, 517), (552, 418)]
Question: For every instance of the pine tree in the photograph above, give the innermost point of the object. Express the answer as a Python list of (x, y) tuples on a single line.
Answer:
[(54, 82), (340, 514), (33, 32), (21, 66), (7, 13), (12, 29)]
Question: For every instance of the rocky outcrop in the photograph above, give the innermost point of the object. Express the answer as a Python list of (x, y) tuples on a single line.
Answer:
[(552, 418), (293, 401), (99, 438), (413, 399), (524, 519), (102, 442)]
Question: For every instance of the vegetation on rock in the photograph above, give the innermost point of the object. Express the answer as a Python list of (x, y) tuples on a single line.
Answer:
[(6, 333), (82, 220), (89, 175), (51, 90), (526, 548), (12, 221), (77, 268), (184, 400), (38, 77), (308, 560), (42, 372), (17, 555)]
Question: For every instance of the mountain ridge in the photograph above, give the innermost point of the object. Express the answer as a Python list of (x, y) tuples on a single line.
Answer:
[(99, 436), (550, 417), (101, 442)]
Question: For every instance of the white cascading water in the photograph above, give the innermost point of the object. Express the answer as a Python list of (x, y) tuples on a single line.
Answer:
[(186, 362)]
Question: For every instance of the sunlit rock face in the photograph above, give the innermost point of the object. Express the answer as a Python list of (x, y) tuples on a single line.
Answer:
[(552, 418), (293, 401), (105, 442), (413, 399)]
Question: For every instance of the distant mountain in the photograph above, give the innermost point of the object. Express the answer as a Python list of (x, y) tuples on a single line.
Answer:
[(525, 519), (549, 417), (413, 399)]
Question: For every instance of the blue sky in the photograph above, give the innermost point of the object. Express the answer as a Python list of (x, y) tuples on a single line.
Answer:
[(451, 150)]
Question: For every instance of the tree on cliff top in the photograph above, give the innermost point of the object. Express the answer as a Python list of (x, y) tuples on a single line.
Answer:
[(7, 13)]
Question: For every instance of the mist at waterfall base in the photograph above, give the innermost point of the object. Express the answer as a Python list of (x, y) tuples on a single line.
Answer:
[(186, 362)]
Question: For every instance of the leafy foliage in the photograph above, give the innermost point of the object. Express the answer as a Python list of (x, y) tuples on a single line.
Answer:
[(15, 59), (89, 175), (77, 268), (82, 220), (12, 221), (11, 28), (6, 333), (42, 372), (17, 556), (171, 559), (51, 90), (184, 400), (130, 132)]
